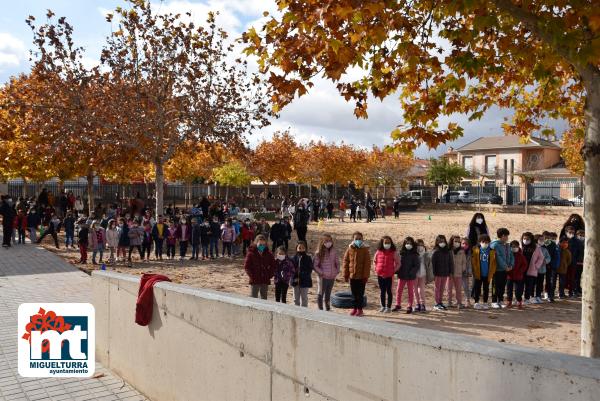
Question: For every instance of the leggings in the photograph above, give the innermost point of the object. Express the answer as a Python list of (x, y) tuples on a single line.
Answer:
[(440, 286), (385, 288), (357, 286), (325, 286), (456, 284), (281, 290), (466, 288), (410, 284), (420, 290), (530, 286), (226, 247)]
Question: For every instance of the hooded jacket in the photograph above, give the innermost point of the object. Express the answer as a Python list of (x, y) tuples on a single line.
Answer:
[(304, 268), (357, 262), (259, 267), (410, 264), (520, 267), (328, 265), (504, 256)]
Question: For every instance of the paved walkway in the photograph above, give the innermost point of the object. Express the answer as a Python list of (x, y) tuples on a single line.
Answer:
[(31, 274)]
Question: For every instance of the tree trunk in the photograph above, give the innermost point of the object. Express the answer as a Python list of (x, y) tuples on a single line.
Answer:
[(226, 193), (24, 189), (90, 191), (160, 187), (590, 304)]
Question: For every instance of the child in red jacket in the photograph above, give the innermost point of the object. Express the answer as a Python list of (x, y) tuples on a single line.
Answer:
[(516, 276), (21, 225)]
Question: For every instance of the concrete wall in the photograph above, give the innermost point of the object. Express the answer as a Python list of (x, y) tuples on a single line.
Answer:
[(206, 345)]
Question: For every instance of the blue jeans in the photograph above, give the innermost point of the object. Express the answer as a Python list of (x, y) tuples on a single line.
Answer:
[(205, 250), (195, 251), (69, 239), (214, 246)]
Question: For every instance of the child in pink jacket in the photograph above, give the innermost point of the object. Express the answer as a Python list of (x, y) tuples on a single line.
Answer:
[(327, 266), (537, 261), (386, 262)]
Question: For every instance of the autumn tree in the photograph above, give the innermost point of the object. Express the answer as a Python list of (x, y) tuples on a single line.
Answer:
[(184, 85), (231, 174), (388, 167), (274, 159), (540, 57)]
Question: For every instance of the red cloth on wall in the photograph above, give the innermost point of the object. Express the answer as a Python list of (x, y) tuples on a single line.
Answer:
[(143, 306)]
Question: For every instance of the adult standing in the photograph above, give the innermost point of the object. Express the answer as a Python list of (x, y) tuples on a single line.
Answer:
[(159, 232), (477, 227), (260, 267), (204, 205), (369, 205), (301, 222), (396, 207), (342, 209), (8, 216), (43, 199), (575, 221)]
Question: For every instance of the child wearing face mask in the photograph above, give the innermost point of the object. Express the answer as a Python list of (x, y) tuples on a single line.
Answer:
[(424, 275), (205, 239), (553, 247), (228, 236), (259, 265), (357, 268), (171, 240), (327, 266), (565, 262), (284, 271), (302, 279), (460, 267), (442, 263), (515, 283), (539, 283), (409, 266), (538, 261), (504, 263), (483, 261), (468, 273), (385, 263)]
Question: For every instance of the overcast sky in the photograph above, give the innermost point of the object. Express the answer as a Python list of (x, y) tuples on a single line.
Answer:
[(322, 114)]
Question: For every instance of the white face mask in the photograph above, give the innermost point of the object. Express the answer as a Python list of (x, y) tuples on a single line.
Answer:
[(479, 221), (570, 235), (280, 257), (408, 246), (484, 245), (580, 238), (442, 244), (515, 250), (456, 245), (328, 244), (421, 249), (387, 246), (526, 241)]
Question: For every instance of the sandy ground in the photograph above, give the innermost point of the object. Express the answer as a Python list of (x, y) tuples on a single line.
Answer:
[(553, 327)]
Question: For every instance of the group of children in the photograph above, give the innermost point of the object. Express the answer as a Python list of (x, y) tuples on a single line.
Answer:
[(207, 239), (518, 272)]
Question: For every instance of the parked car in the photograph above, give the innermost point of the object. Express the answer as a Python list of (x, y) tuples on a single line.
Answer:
[(486, 197), (577, 201), (548, 200), (458, 197), (421, 195)]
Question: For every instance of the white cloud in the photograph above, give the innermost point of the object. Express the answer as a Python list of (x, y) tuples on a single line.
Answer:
[(12, 51)]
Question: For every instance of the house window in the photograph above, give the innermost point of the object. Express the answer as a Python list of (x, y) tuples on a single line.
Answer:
[(468, 163), (490, 164)]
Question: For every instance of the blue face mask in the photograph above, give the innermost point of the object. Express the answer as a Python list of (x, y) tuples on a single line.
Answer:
[(261, 248), (358, 243)]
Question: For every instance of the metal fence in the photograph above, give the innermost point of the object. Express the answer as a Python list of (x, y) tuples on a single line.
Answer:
[(566, 193)]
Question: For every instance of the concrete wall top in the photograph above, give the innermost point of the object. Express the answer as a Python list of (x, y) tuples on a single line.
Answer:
[(539, 359)]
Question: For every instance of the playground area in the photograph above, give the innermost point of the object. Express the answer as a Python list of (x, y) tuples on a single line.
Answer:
[(554, 327)]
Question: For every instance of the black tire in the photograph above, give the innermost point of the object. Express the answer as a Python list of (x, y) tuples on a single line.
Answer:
[(345, 300)]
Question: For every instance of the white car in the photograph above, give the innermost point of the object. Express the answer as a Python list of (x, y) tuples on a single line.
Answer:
[(577, 201)]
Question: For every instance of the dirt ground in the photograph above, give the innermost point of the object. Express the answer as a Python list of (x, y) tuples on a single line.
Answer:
[(553, 327)]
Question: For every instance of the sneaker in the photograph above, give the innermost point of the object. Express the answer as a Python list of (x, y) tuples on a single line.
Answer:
[(423, 309), (359, 312), (397, 308), (418, 308), (495, 305), (409, 310), (438, 307), (387, 310), (477, 306), (485, 306), (538, 300), (382, 309), (528, 302), (353, 313), (444, 307)]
